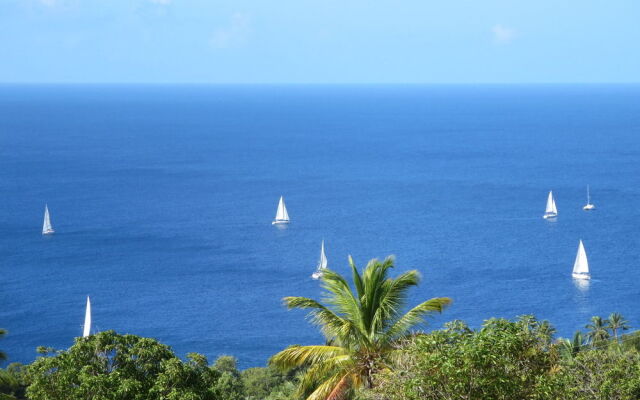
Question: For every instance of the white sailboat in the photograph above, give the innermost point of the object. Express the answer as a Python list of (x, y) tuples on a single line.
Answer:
[(322, 263), (282, 216), (581, 265), (589, 206), (551, 210), (47, 229), (87, 319)]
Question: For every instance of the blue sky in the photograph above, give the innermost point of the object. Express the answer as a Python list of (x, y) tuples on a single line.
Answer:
[(322, 41)]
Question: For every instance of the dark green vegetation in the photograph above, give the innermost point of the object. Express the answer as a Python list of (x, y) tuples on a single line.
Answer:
[(108, 366), (3, 356), (370, 353)]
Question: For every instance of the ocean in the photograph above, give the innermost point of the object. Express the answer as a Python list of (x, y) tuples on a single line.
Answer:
[(162, 199)]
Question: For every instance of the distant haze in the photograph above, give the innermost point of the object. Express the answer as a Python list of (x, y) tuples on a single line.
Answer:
[(328, 41)]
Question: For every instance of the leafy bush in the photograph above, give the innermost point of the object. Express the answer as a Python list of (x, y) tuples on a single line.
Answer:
[(123, 367), (503, 360), (268, 383), (596, 374), (13, 382)]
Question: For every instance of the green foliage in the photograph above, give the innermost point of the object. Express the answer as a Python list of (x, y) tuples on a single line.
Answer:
[(286, 391), (595, 375), (229, 385), (569, 348), (598, 331), (370, 354), (514, 360), (3, 355), (362, 329), (13, 382), (617, 323), (503, 360), (263, 383), (227, 364), (108, 366), (631, 341)]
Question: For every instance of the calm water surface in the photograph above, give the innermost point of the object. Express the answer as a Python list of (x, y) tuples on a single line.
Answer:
[(162, 199)]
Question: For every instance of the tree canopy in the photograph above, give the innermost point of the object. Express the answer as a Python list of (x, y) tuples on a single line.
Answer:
[(108, 366)]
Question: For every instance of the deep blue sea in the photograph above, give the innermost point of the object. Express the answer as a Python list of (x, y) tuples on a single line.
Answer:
[(162, 199)]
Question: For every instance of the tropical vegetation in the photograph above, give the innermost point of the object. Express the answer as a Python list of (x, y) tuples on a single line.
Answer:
[(362, 327), (373, 350), (511, 360)]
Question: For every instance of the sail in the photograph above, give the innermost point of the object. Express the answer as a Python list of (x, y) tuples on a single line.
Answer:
[(589, 205), (46, 225), (551, 205), (581, 265), (322, 264), (282, 214), (87, 319)]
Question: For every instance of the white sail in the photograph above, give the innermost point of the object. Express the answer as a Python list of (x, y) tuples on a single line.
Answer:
[(589, 206), (322, 263), (588, 195), (87, 319), (551, 210), (46, 225), (581, 265), (282, 216), (323, 258)]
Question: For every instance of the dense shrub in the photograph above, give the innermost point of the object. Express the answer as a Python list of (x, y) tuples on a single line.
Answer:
[(595, 374), (13, 382), (509, 360), (268, 384), (122, 367), (503, 360)]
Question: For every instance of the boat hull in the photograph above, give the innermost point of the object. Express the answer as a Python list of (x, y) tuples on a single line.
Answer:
[(277, 222), (581, 276), (549, 216), (49, 232), (589, 207), (316, 275)]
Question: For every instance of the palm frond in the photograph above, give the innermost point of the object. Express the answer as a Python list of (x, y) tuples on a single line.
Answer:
[(416, 316), (295, 356), (392, 300), (324, 390), (318, 373), (357, 279), (374, 278), (330, 323), (340, 296)]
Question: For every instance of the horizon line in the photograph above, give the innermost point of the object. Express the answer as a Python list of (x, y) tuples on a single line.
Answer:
[(188, 83)]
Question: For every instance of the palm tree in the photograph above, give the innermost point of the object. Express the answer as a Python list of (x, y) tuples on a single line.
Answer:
[(543, 328), (362, 329), (617, 323), (598, 330), (570, 347), (546, 330), (3, 355)]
